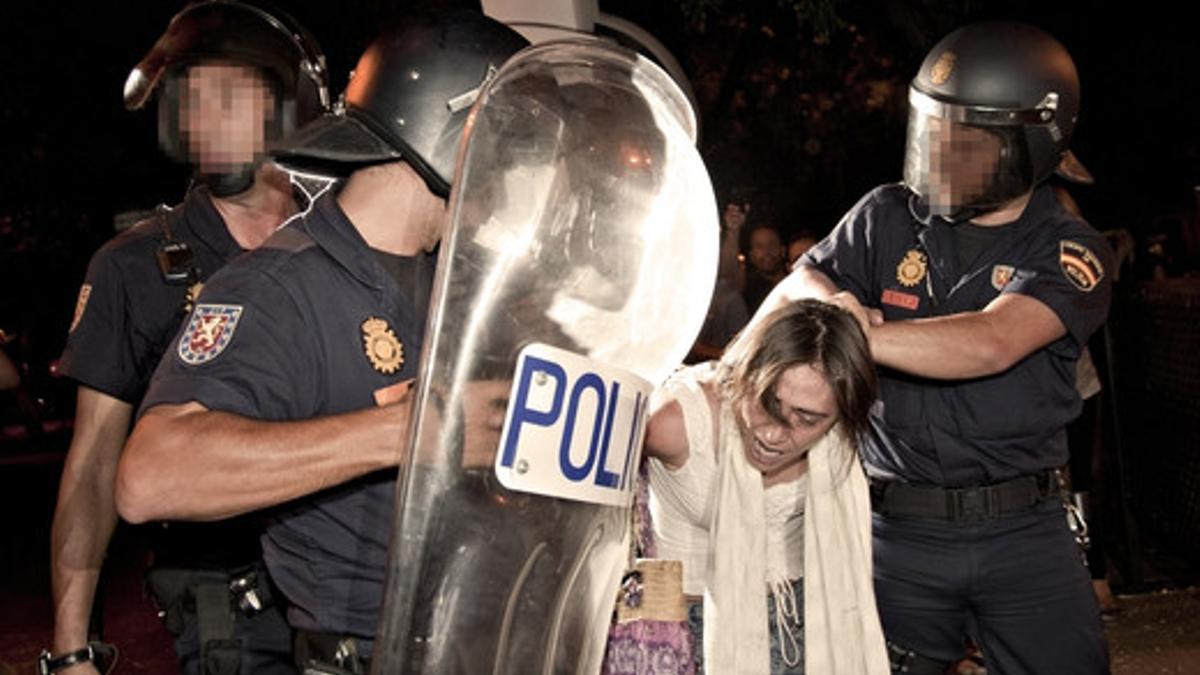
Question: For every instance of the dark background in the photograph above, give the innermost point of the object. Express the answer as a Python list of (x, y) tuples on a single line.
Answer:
[(802, 107)]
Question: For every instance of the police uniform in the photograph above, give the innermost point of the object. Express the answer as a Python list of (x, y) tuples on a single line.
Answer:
[(312, 323), (969, 526), (126, 315)]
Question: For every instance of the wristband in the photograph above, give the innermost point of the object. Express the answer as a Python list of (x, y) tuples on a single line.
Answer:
[(48, 663)]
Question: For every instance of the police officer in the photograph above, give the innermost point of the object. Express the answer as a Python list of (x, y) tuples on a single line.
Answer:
[(230, 77), (288, 385), (977, 291)]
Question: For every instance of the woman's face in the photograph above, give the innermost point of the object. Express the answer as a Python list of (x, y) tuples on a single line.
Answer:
[(807, 403)]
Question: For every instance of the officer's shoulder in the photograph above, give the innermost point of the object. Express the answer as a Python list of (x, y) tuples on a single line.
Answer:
[(887, 194), (288, 251), (136, 243), (880, 202)]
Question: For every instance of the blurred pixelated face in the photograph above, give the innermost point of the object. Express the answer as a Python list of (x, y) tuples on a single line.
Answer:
[(224, 108), (951, 164), (766, 250), (962, 161), (807, 403)]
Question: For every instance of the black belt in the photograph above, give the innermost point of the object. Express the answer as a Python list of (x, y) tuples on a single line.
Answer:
[(970, 503)]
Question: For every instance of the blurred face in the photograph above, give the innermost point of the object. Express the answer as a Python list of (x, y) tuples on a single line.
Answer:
[(963, 161), (798, 247), (807, 403), (766, 251), (223, 111)]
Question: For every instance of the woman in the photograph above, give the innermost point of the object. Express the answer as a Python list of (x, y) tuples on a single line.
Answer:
[(755, 485)]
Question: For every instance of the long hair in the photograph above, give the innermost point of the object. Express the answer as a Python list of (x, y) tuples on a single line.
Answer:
[(805, 332)]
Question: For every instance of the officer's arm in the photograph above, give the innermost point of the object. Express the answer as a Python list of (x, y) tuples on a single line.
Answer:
[(185, 462), (970, 344), (803, 282), (85, 516)]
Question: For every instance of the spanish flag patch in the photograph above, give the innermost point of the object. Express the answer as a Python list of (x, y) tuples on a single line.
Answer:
[(1079, 264)]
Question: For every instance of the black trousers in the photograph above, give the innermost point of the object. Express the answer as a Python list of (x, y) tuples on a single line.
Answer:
[(1018, 580)]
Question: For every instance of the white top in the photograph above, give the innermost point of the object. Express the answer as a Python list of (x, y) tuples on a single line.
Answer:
[(682, 501)]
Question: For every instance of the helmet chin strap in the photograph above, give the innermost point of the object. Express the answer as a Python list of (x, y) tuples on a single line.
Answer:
[(918, 206), (227, 184)]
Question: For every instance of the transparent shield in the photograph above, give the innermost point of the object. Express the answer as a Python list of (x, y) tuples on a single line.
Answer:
[(577, 271)]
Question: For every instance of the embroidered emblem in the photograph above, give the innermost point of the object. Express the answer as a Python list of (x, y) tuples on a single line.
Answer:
[(943, 68), (1079, 265), (899, 299), (208, 332), (85, 292), (911, 270), (383, 349), (193, 294), (1001, 275)]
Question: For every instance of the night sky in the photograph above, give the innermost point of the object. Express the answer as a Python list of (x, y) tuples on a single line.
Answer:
[(74, 157)]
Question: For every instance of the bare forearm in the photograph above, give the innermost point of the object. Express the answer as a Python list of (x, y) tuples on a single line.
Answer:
[(951, 347), (85, 516), (969, 344), (209, 465), (83, 526)]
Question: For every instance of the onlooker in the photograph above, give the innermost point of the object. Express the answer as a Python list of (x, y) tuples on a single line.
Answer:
[(766, 264)]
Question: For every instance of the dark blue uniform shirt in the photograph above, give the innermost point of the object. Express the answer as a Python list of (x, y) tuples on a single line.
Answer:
[(126, 317), (126, 313), (987, 429), (307, 325)]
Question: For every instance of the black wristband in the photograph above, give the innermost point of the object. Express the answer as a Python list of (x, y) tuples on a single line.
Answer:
[(48, 663)]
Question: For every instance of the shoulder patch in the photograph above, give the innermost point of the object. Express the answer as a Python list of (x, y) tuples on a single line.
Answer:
[(1079, 265), (85, 292), (208, 332), (1001, 275)]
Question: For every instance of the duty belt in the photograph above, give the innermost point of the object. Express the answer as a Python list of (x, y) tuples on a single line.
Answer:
[(963, 504)]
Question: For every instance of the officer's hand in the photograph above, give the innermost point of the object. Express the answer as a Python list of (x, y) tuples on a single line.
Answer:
[(866, 317)]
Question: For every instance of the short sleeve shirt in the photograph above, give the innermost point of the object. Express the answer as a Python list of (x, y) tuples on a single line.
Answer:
[(988, 429), (127, 313), (308, 325)]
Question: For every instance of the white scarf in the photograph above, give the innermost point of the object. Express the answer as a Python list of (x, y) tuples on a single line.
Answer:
[(842, 630)]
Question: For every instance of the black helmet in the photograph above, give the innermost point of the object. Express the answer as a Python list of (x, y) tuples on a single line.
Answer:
[(236, 31), (408, 98), (990, 115)]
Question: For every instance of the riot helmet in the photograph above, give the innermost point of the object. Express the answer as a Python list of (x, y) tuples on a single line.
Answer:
[(991, 113), (269, 53), (408, 98)]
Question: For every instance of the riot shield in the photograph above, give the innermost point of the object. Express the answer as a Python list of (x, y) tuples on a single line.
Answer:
[(577, 270)]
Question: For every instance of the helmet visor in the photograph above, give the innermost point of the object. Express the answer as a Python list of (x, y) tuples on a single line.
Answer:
[(959, 158)]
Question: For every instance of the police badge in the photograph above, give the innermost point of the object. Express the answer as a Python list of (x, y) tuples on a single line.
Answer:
[(1001, 275), (85, 292), (1079, 264), (911, 270), (382, 347)]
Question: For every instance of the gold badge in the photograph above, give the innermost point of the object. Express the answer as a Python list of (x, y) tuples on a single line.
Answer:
[(85, 292), (911, 270), (193, 293), (382, 347), (943, 68)]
